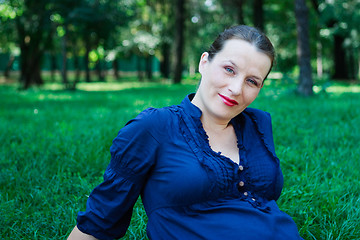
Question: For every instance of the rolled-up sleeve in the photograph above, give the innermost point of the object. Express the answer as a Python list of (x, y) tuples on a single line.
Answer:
[(109, 206)]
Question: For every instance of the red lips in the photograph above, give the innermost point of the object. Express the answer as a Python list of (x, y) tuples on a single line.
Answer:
[(228, 101)]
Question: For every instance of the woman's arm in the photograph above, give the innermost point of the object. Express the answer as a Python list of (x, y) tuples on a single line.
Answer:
[(109, 206), (76, 234)]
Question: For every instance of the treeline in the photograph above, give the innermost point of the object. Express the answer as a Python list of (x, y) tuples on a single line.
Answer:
[(311, 37)]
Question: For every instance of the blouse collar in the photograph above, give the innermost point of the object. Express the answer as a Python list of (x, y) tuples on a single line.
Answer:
[(260, 119), (189, 107)]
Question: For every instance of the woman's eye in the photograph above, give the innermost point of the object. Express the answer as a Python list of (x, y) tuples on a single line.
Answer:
[(229, 70), (253, 82)]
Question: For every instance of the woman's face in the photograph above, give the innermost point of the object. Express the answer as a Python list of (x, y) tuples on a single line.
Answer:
[(231, 80)]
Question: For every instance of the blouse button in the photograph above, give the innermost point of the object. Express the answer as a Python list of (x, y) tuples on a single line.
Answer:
[(241, 168), (245, 193), (241, 183)]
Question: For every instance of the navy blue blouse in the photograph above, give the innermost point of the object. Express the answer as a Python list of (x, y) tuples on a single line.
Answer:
[(188, 190)]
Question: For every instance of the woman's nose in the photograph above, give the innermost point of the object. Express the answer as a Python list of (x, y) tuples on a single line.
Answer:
[(235, 87)]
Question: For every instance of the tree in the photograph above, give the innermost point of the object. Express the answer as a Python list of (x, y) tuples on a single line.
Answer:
[(339, 24), (303, 49), (240, 12), (93, 26), (34, 33), (234, 8), (258, 14), (164, 11), (7, 36), (62, 17), (179, 39)]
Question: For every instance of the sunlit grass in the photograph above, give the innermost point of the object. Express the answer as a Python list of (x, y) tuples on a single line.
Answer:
[(344, 89), (55, 148), (337, 87)]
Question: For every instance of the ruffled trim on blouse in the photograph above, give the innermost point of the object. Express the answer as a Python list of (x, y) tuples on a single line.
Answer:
[(194, 133), (265, 134), (262, 119), (197, 147)]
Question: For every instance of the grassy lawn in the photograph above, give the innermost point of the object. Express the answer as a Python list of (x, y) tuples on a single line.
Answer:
[(55, 148)]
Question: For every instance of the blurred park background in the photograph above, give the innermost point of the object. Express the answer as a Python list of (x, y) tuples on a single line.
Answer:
[(72, 73)]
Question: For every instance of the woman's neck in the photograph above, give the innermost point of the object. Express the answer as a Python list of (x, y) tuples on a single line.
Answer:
[(214, 125)]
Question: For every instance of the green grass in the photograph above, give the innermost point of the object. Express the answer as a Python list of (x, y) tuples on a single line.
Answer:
[(55, 148)]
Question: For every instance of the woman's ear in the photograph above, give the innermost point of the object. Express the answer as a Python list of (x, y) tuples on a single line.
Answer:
[(203, 60)]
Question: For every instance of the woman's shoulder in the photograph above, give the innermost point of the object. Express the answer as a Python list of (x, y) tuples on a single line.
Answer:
[(263, 124), (151, 114), (261, 119), (154, 116), (257, 114), (154, 120)]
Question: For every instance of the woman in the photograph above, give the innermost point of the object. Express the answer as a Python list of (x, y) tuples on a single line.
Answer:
[(205, 169)]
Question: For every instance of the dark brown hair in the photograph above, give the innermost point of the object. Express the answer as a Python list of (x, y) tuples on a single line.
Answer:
[(250, 34)]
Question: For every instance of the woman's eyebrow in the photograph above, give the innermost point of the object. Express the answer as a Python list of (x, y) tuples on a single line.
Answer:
[(231, 62), (257, 78), (254, 76)]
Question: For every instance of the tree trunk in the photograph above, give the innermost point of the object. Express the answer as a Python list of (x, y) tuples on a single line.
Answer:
[(319, 62), (339, 58), (53, 66), (77, 67), (258, 14), (303, 48), (149, 74), (9, 66), (358, 65), (100, 71), (33, 40), (192, 67), (23, 57), (165, 61), (31, 57), (179, 39), (352, 64), (87, 52), (139, 69), (32, 72), (115, 65), (37, 70), (240, 12), (64, 60)]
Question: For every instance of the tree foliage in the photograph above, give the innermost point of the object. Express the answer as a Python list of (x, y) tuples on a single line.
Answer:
[(340, 24), (92, 32)]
